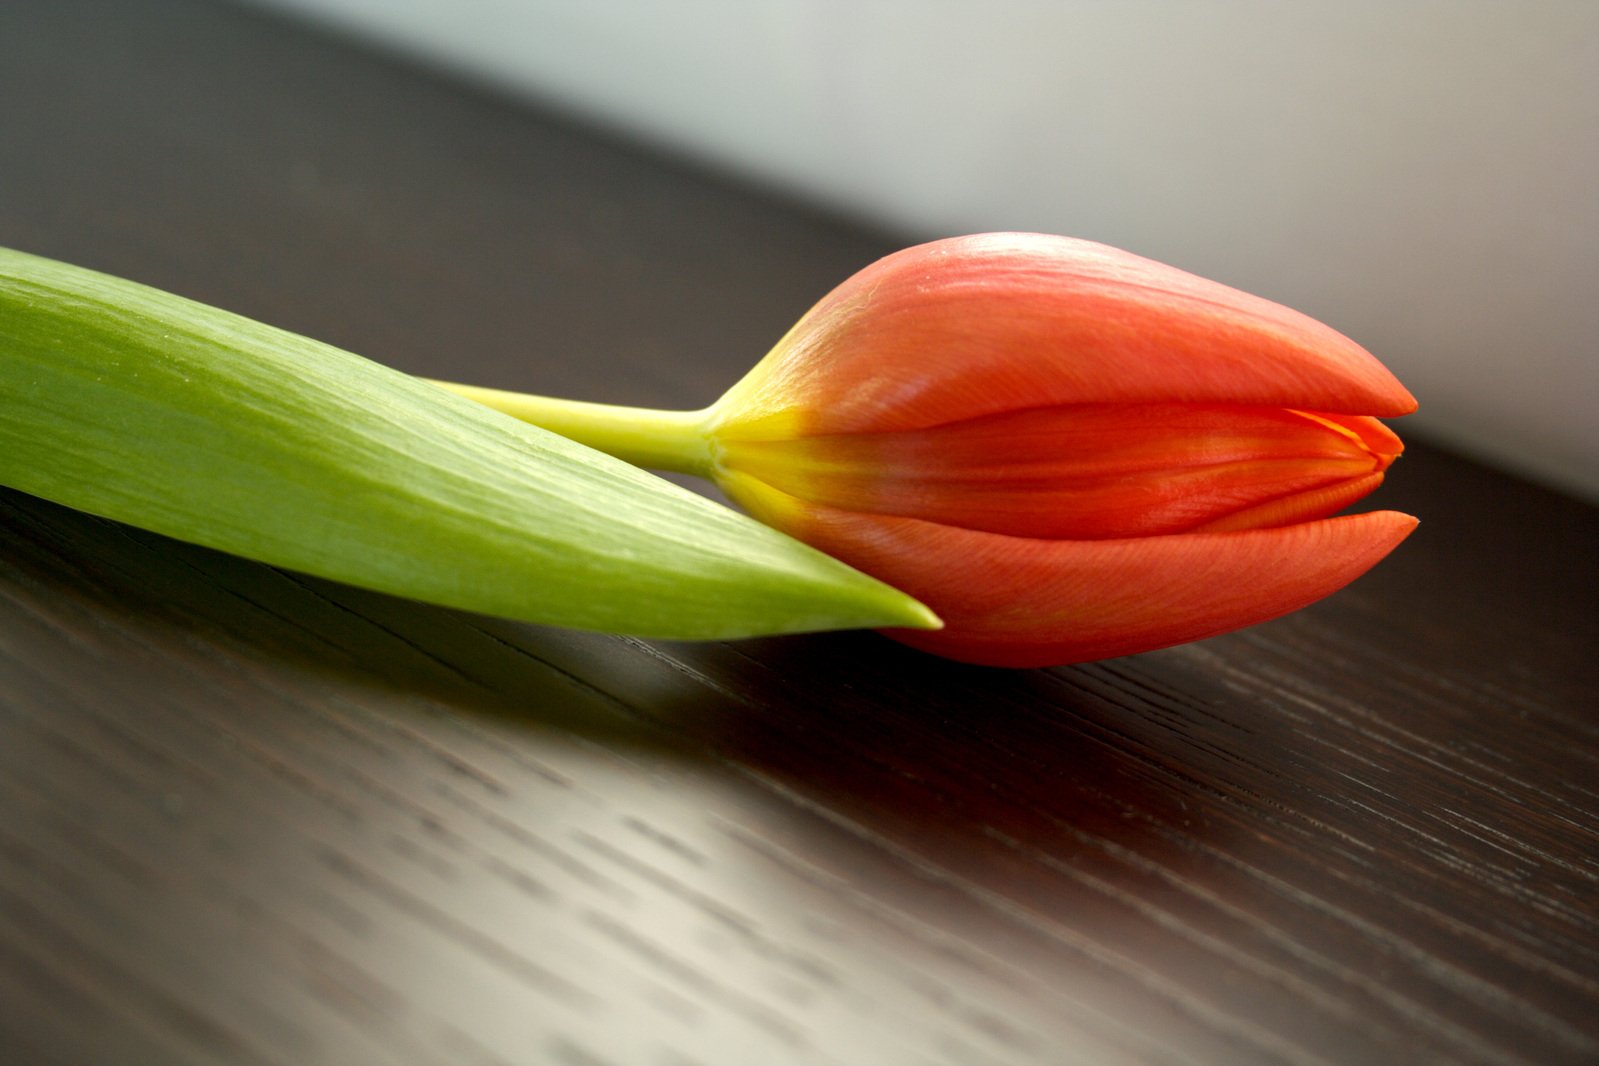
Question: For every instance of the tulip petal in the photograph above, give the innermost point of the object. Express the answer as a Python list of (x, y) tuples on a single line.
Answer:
[(1088, 471), (1021, 602), (1296, 507), (971, 326)]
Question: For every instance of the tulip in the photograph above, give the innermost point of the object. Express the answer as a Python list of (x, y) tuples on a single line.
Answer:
[(1068, 452)]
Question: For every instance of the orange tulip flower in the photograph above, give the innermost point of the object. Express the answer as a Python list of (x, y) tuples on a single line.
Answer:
[(1068, 452)]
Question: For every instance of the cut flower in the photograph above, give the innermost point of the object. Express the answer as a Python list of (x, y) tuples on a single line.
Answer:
[(1068, 452)]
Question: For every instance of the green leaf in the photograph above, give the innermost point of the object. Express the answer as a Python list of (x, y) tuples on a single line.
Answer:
[(154, 410)]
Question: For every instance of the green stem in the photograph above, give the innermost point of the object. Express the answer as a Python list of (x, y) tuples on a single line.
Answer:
[(659, 440)]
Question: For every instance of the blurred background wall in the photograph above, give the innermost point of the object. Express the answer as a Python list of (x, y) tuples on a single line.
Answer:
[(1421, 174)]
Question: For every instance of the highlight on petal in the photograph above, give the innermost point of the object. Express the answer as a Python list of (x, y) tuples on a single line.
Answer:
[(970, 326), (1023, 602)]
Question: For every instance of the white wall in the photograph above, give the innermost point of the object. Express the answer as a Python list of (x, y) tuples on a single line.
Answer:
[(1422, 174)]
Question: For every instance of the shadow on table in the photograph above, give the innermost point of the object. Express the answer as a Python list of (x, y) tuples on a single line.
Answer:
[(892, 739)]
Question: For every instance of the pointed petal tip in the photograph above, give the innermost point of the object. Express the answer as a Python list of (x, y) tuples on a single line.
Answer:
[(1396, 401), (1393, 526)]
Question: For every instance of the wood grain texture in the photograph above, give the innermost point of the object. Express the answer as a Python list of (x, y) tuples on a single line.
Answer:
[(250, 817)]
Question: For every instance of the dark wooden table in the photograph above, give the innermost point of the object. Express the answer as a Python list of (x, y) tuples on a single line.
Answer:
[(247, 817)]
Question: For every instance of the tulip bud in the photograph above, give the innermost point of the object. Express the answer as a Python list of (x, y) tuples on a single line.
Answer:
[(1066, 451)]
